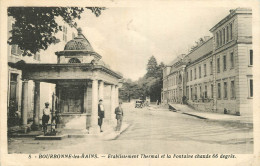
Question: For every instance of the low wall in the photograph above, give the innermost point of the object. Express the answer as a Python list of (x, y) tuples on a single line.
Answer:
[(74, 121), (201, 106)]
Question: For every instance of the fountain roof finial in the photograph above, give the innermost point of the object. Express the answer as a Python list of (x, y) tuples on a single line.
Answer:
[(79, 31)]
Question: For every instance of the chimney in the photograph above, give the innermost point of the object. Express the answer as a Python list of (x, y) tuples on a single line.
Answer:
[(206, 38)]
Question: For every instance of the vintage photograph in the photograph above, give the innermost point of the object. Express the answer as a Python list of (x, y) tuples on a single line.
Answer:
[(130, 80)]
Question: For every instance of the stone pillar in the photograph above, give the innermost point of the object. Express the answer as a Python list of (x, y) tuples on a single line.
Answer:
[(36, 110), (113, 120), (94, 114), (101, 90), (25, 102), (85, 105), (116, 96)]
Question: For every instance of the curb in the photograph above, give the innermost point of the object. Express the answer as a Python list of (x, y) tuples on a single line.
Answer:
[(200, 117), (237, 122), (114, 135)]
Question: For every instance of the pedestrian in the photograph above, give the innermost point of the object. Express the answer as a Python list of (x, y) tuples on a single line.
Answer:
[(101, 114), (119, 116), (46, 117)]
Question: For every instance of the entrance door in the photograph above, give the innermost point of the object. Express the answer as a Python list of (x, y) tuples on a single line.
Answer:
[(72, 100)]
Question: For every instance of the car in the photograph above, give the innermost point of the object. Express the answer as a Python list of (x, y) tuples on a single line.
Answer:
[(139, 104)]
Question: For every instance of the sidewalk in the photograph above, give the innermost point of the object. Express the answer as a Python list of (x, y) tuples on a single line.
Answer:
[(184, 109), (108, 134)]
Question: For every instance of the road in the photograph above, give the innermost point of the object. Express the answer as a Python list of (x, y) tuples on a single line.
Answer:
[(152, 130)]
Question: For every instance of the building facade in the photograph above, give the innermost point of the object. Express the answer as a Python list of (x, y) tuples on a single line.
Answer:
[(217, 73)]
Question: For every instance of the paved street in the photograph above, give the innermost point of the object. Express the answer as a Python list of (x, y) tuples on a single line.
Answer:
[(152, 130)]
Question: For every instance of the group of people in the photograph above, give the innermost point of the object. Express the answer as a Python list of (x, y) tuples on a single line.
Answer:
[(101, 115)]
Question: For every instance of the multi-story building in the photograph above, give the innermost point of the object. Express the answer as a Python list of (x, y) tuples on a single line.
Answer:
[(217, 74), (15, 76)]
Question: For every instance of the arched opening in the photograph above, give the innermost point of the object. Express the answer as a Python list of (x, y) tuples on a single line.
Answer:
[(74, 60)]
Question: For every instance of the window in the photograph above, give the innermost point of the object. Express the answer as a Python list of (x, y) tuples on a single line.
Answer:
[(191, 75), (217, 40), (199, 71), (224, 63), (191, 93), (224, 37), (205, 70), (220, 34), (195, 74), (232, 89), (180, 79), (206, 92), (251, 88), (218, 65), (251, 58), (187, 92), (211, 67), (231, 60), (74, 60), (231, 31), (64, 29), (219, 90), (200, 92), (212, 91), (37, 56), (195, 93), (227, 34), (15, 50), (225, 90), (187, 76), (13, 86)]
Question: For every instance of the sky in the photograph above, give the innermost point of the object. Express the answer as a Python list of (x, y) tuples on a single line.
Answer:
[(126, 37)]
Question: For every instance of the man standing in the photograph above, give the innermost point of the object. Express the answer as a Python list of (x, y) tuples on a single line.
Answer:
[(101, 114), (46, 117), (119, 116)]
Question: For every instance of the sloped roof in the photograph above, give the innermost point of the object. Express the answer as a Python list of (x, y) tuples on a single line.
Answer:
[(202, 50)]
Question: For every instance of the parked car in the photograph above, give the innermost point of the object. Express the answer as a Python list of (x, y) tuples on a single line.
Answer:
[(139, 104)]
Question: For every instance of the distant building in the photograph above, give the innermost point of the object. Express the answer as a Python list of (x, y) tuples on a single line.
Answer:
[(216, 75)]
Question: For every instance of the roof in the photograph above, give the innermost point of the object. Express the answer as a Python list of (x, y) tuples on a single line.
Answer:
[(79, 43), (202, 50), (22, 65)]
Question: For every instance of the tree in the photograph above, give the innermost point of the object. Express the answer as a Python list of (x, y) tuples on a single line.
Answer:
[(148, 85), (35, 27), (151, 67)]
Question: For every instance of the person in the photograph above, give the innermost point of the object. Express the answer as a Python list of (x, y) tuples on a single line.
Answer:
[(119, 116), (101, 114), (46, 117)]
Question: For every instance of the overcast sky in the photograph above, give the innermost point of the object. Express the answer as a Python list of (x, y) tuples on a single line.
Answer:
[(127, 37)]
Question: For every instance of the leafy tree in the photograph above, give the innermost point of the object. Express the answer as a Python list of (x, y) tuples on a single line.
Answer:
[(129, 90), (35, 27)]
